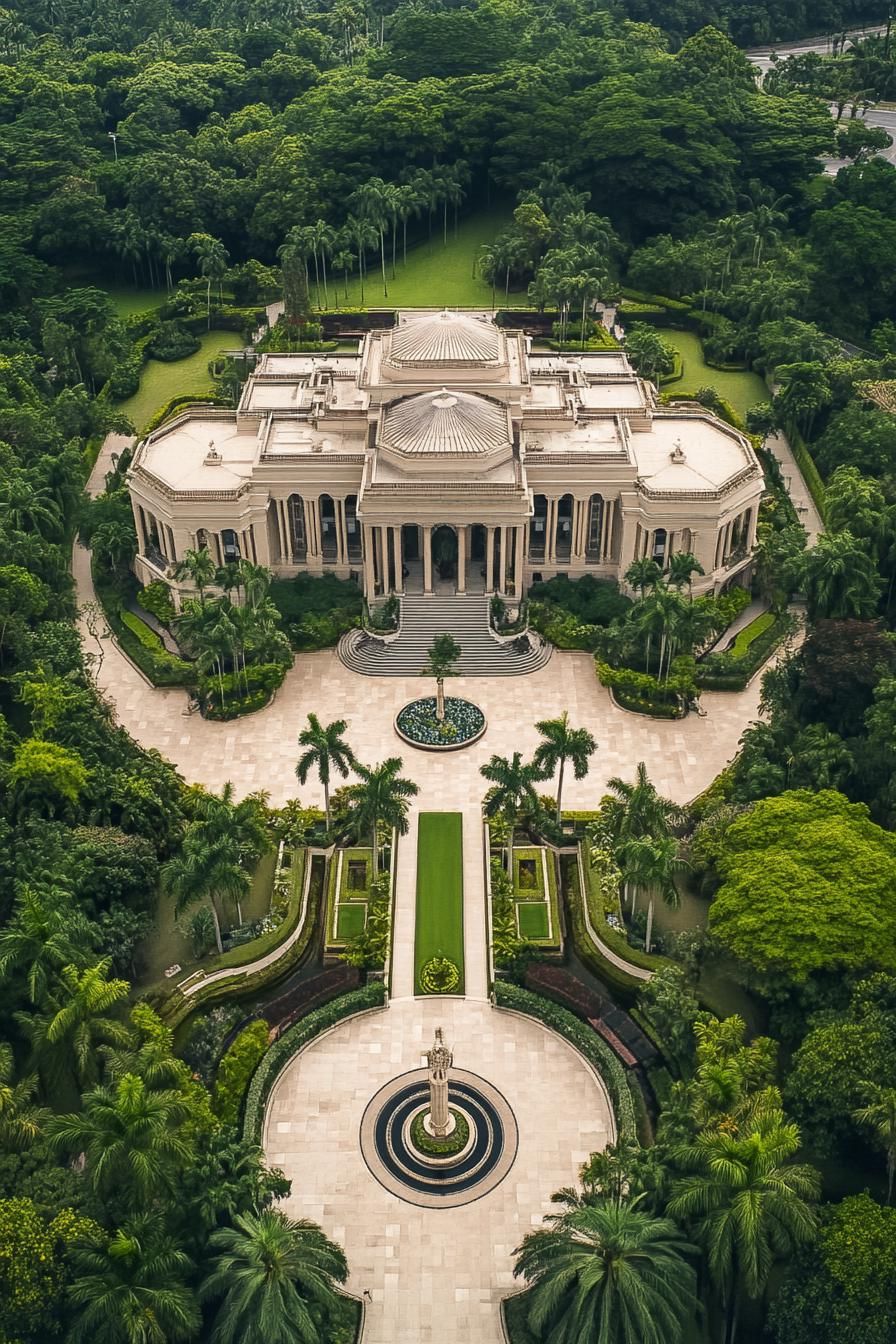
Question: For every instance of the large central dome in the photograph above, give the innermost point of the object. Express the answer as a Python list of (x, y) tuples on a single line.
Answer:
[(445, 338), (445, 424)]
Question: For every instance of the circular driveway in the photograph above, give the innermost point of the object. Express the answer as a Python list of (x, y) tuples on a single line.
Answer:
[(436, 1275)]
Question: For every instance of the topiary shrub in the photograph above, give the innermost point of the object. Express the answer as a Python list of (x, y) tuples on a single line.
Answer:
[(156, 599), (439, 975), (171, 341)]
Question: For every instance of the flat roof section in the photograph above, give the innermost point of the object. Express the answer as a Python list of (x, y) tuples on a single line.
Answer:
[(710, 455), (200, 455)]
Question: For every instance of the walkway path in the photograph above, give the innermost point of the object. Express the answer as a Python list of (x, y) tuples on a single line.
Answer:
[(779, 447)]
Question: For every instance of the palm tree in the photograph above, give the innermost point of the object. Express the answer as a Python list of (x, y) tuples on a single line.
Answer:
[(293, 256), (880, 1116), (441, 662), (255, 581), (643, 573), (372, 200), (199, 567), (683, 565), (212, 257), (408, 205), (747, 1202), (325, 747), (381, 797), (76, 1020), (513, 789), (45, 934), (20, 1120), (633, 811), (488, 264), (364, 236), (323, 239), (344, 261), (129, 1134), (274, 1276), (650, 864), (132, 1290), (609, 1272), (561, 744), (29, 507), (840, 578)]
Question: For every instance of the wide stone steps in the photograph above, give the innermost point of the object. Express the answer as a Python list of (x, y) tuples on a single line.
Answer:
[(422, 618)]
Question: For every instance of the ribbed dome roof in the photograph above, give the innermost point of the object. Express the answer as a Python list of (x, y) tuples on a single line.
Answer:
[(445, 337), (445, 424)]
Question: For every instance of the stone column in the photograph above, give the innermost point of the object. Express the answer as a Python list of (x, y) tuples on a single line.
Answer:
[(489, 559), (367, 542), (439, 1059), (384, 559), (519, 543), (427, 559), (397, 559), (502, 574), (462, 559)]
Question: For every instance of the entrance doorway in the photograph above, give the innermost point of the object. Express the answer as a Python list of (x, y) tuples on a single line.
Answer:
[(444, 554)]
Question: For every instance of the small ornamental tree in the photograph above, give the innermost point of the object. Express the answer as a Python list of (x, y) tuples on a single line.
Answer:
[(441, 662)]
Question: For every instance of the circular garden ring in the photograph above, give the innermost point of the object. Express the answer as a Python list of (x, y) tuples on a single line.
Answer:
[(443, 1182), (463, 724)]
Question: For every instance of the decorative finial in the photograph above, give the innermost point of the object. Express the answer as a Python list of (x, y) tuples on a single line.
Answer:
[(212, 457), (677, 454)]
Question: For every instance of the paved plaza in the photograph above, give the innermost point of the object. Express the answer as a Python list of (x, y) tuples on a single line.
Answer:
[(435, 1275)]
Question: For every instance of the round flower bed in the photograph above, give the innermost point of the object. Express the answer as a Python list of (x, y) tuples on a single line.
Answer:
[(463, 723), (424, 1142), (439, 975)]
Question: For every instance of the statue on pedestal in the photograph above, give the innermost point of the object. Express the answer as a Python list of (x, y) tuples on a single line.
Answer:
[(439, 1121)]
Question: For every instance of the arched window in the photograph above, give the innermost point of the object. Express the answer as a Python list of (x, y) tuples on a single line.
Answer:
[(564, 527), (353, 529), (202, 543), (658, 546), (596, 510), (230, 545), (329, 542), (538, 529), (295, 512)]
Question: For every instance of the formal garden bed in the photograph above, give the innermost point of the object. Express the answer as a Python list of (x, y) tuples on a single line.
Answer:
[(316, 610), (439, 928), (357, 903), (430, 1146), (463, 724)]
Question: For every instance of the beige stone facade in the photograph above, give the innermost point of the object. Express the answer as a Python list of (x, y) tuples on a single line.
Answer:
[(446, 456)]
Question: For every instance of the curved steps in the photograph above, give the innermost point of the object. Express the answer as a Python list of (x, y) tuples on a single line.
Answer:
[(422, 618)]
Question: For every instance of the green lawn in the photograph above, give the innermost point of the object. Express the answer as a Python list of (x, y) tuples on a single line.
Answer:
[(435, 276), (439, 930), (129, 300), (532, 919), (745, 637), (743, 389), (350, 920), (160, 382)]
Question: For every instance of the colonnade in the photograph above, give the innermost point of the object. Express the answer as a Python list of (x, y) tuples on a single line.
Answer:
[(306, 530), (591, 531), (385, 562)]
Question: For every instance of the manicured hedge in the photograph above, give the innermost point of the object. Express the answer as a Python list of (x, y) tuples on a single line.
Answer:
[(146, 651), (293, 1040), (811, 476), (591, 1046), (236, 1069), (728, 672), (177, 404), (148, 638)]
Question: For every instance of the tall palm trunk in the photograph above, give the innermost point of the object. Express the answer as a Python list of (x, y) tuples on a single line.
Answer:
[(317, 276), (404, 240), (383, 260), (376, 848), (511, 827), (440, 698), (323, 263), (217, 922), (326, 784), (560, 790)]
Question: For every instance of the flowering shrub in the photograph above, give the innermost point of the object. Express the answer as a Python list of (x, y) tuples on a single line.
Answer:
[(463, 722), (439, 976)]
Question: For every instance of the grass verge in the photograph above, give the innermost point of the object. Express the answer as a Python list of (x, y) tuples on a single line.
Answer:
[(439, 930)]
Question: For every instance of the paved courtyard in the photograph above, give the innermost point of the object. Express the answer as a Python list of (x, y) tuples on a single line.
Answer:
[(436, 1276)]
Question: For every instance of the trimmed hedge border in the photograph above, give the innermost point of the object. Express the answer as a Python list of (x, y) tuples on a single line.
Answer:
[(294, 1039), (811, 475), (591, 1046)]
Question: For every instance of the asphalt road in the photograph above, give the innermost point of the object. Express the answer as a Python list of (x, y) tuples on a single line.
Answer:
[(885, 117)]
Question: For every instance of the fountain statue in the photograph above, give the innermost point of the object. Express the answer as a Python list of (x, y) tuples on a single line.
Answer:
[(438, 1121)]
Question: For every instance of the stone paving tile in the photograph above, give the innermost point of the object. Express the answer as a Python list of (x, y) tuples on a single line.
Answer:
[(434, 1274)]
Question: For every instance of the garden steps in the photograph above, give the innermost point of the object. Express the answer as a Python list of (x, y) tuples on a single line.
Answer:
[(424, 617)]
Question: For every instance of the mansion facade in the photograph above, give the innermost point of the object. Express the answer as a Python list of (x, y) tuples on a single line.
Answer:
[(446, 456)]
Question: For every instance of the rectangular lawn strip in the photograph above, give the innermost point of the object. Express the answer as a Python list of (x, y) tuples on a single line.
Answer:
[(745, 637), (439, 928), (532, 920), (350, 920)]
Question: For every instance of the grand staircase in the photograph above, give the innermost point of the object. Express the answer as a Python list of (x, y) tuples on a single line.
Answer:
[(422, 618)]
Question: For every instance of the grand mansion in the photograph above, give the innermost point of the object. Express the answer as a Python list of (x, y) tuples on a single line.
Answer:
[(446, 456)]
